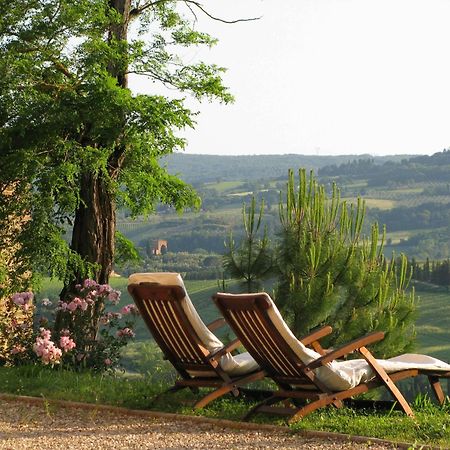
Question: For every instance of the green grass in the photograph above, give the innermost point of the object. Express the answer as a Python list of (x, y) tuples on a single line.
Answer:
[(432, 424), (144, 358), (380, 203), (433, 323), (224, 186)]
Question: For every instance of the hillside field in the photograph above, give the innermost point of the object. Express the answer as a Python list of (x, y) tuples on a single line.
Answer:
[(433, 321)]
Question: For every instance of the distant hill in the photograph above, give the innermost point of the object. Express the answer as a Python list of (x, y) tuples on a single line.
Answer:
[(198, 169), (408, 194), (409, 170)]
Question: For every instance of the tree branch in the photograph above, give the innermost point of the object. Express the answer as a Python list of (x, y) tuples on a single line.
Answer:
[(204, 11), (140, 9)]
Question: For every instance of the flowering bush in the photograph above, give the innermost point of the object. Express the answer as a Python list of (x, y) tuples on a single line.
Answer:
[(83, 335), (16, 328)]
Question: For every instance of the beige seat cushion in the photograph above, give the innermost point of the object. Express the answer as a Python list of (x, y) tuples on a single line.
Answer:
[(233, 365), (342, 375)]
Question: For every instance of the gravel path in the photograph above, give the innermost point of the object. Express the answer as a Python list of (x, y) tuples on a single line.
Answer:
[(25, 426)]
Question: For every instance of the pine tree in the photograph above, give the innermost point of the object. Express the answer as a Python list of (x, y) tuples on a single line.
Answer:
[(331, 274), (251, 260)]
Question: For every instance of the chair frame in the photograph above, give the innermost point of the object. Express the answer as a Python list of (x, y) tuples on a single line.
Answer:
[(304, 385), (160, 306)]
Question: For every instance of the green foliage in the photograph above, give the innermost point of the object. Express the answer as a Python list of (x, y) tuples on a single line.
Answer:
[(126, 251), (74, 140), (331, 274), (192, 266), (251, 261)]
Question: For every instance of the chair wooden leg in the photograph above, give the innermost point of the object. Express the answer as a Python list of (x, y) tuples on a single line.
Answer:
[(312, 406), (232, 387), (214, 394), (437, 388), (388, 383)]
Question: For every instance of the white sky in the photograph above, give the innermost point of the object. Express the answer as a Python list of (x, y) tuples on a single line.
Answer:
[(328, 77)]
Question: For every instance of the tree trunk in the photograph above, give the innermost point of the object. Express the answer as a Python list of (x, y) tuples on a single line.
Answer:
[(94, 226), (93, 239), (95, 218)]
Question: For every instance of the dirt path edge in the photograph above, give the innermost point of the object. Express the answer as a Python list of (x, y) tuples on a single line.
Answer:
[(207, 420)]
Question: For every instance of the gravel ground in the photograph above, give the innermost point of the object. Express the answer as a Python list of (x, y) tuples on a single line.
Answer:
[(25, 426)]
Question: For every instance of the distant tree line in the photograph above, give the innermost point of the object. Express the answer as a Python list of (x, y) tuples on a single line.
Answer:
[(193, 266), (433, 244), (434, 168), (197, 169), (435, 272), (425, 215)]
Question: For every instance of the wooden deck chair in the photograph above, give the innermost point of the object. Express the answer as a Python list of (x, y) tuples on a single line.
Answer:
[(315, 378), (199, 357)]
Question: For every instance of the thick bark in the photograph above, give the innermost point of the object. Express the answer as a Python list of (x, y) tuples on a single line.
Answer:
[(94, 226), (95, 218), (93, 239)]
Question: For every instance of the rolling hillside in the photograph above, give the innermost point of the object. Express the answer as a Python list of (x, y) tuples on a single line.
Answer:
[(415, 207)]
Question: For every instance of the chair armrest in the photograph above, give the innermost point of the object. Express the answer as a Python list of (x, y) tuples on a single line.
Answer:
[(312, 339), (233, 345), (316, 335), (346, 349), (216, 324)]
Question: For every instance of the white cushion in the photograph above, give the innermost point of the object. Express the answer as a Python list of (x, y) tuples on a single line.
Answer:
[(342, 375), (233, 365)]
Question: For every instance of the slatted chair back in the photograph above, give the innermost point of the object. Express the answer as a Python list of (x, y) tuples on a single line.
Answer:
[(162, 311), (249, 318)]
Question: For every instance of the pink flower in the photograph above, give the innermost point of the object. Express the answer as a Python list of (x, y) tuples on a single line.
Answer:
[(130, 309), (66, 343), (45, 333), (17, 349), (125, 332), (46, 349), (89, 283), (114, 297), (72, 306), (76, 303), (107, 362), (62, 306), (46, 302), (23, 299)]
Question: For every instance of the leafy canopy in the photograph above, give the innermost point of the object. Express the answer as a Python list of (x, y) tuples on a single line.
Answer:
[(66, 110)]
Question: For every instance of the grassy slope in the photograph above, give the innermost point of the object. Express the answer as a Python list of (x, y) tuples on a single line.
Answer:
[(432, 424), (433, 322)]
